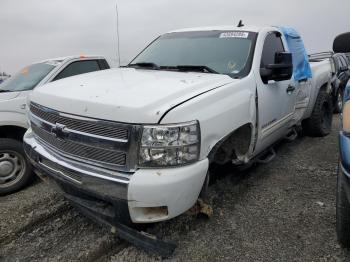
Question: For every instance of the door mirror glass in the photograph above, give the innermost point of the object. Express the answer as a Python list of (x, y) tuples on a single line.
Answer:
[(280, 70)]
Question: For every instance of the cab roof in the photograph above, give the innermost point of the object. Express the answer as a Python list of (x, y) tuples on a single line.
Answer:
[(255, 29), (59, 60)]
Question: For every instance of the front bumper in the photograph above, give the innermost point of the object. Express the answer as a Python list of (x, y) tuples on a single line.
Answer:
[(147, 195)]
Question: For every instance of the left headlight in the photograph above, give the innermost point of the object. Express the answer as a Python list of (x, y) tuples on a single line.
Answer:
[(170, 145)]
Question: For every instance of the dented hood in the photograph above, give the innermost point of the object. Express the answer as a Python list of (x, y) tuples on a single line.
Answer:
[(126, 94)]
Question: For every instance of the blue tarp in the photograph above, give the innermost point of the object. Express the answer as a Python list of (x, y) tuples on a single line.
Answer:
[(301, 65)]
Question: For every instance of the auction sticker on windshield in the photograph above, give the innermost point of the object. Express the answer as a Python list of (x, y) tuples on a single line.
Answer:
[(234, 35)]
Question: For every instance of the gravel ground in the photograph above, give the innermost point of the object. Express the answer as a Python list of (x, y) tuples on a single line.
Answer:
[(281, 211)]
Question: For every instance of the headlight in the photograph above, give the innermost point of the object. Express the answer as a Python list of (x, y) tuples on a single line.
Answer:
[(170, 145)]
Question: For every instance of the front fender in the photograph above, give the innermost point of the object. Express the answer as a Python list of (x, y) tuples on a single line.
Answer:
[(13, 119), (12, 111), (219, 112)]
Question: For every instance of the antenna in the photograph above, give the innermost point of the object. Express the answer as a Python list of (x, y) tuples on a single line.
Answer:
[(240, 24), (118, 44)]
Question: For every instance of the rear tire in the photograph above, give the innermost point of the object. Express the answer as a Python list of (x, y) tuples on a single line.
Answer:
[(15, 169), (343, 209), (338, 106), (320, 122)]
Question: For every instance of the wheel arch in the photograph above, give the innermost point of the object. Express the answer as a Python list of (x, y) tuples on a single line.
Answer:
[(235, 146), (12, 131)]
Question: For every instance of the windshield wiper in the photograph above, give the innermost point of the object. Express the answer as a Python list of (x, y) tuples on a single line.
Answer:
[(196, 68), (148, 65), (3, 91)]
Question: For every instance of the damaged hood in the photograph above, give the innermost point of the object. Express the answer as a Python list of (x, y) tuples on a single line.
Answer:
[(126, 94)]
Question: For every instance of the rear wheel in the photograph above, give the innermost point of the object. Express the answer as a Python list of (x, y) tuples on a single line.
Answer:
[(320, 121), (338, 106), (343, 208), (15, 169)]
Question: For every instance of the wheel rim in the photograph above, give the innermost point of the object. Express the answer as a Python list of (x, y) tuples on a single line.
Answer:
[(326, 117), (12, 168), (340, 101)]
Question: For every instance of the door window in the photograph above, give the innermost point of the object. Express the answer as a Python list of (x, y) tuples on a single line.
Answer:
[(77, 68)]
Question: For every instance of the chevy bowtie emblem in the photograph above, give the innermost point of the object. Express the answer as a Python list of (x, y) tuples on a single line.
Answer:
[(59, 131)]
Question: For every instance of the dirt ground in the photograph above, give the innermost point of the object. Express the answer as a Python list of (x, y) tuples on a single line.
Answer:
[(281, 211)]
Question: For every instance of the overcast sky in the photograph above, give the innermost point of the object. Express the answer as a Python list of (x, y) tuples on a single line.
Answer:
[(33, 30)]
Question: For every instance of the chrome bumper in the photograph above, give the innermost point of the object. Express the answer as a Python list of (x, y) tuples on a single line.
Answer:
[(104, 184), (146, 196)]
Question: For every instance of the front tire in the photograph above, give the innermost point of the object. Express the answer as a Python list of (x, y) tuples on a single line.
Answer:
[(205, 189), (343, 208), (15, 169), (320, 122)]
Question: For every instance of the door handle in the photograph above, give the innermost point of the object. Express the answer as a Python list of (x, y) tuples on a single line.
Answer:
[(290, 89)]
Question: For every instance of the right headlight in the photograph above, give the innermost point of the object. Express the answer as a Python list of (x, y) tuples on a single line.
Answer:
[(170, 145)]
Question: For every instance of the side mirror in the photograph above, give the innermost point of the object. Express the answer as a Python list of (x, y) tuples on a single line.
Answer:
[(281, 70), (341, 43)]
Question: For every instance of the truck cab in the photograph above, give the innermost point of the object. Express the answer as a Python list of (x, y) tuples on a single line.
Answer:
[(15, 171)]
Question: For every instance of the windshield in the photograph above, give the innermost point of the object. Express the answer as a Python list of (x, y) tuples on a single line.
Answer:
[(225, 52), (27, 78)]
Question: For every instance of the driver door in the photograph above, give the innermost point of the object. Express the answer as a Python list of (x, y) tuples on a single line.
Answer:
[(276, 100)]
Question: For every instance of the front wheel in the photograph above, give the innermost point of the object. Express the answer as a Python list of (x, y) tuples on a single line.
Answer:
[(320, 122), (15, 169), (343, 208)]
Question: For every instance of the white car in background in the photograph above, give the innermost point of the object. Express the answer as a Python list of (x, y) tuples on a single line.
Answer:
[(15, 170)]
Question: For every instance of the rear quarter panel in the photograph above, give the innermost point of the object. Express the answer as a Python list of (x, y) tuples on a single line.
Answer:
[(321, 75)]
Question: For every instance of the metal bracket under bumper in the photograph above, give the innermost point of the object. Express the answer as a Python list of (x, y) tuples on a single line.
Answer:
[(139, 239)]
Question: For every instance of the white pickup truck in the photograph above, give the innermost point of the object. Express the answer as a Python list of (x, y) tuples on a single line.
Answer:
[(15, 170), (136, 143)]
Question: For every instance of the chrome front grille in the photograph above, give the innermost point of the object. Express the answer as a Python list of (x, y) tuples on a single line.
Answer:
[(80, 125), (80, 150), (61, 170), (102, 143)]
